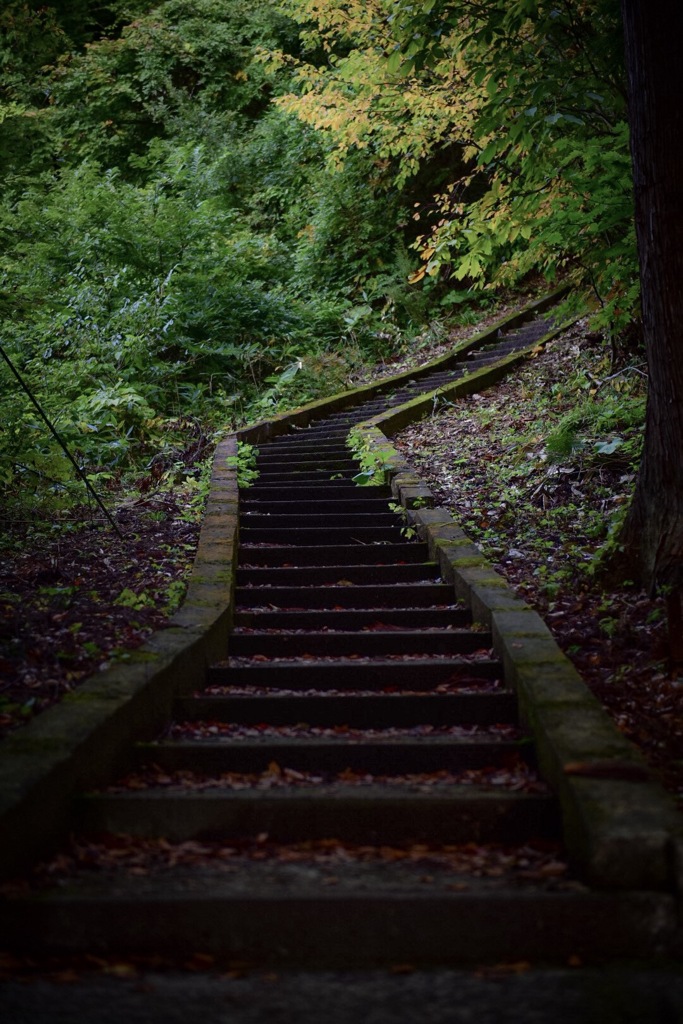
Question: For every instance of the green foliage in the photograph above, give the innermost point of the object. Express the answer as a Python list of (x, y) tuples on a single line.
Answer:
[(129, 599), (593, 429), (245, 464), (372, 472), (407, 529), (174, 596), (128, 305), (170, 72), (175, 247), (30, 39), (529, 93)]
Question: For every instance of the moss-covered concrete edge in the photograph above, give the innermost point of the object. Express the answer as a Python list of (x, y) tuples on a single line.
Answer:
[(479, 380), (267, 430), (88, 738), (622, 830)]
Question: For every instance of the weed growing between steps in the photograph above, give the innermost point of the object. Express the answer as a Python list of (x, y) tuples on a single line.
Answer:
[(539, 471), (371, 472)]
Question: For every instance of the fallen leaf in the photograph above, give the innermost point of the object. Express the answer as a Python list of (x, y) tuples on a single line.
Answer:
[(628, 771), (121, 970)]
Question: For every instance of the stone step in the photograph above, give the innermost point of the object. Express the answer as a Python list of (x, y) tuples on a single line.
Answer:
[(306, 476), (370, 407), (407, 618), (278, 462), (316, 434), (324, 432), (426, 386), (327, 422), (365, 711), (334, 554), (286, 505), (392, 756), (330, 574), (332, 489), (353, 674), (343, 414), (294, 468), (318, 520), (306, 452), (387, 596), (369, 814), (314, 536), (368, 644), (284, 446)]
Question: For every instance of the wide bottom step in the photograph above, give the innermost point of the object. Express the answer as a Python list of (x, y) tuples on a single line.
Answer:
[(288, 919)]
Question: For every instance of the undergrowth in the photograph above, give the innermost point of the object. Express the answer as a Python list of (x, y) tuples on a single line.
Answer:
[(554, 463)]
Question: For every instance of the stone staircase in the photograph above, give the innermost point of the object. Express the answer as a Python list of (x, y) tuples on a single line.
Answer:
[(352, 786)]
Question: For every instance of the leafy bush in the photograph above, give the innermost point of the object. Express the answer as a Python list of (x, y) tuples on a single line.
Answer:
[(175, 247), (529, 98)]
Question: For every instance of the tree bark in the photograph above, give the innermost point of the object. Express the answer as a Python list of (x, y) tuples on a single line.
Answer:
[(653, 534)]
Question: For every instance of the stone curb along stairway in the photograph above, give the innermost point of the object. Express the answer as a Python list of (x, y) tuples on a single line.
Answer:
[(352, 787)]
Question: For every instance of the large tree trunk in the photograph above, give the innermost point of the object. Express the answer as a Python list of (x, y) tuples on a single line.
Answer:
[(654, 61)]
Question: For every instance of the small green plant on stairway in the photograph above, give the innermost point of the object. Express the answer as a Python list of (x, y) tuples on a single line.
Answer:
[(407, 529), (366, 478), (245, 464), (372, 470)]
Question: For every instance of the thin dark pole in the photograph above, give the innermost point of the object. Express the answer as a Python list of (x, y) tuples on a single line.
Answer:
[(43, 415)]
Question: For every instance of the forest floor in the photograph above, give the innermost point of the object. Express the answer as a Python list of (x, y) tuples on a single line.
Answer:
[(75, 597), (536, 497)]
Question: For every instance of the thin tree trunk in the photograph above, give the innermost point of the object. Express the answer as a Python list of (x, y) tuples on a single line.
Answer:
[(653, 534)]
